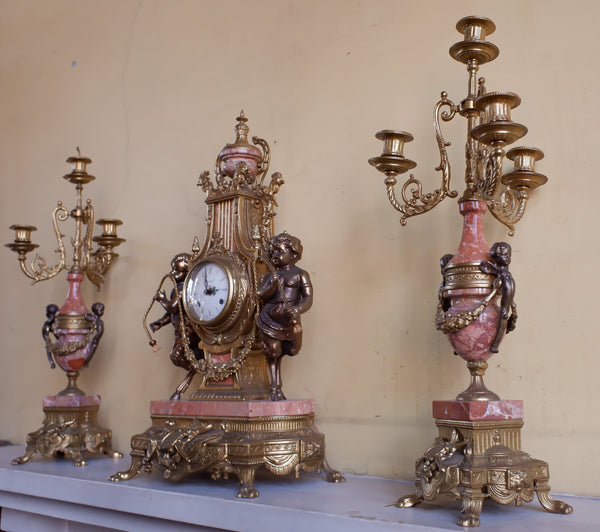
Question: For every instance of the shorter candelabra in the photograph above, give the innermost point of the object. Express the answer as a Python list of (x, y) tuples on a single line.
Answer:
[(477, 454), (71, 333)]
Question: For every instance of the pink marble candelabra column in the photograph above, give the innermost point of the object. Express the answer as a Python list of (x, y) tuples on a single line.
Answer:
[(466, 288), (71, 328)]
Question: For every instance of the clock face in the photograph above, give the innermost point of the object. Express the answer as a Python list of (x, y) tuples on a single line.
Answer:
[(207, 291)]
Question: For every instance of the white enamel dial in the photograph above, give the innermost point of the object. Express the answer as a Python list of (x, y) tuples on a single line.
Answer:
[(206, 291)]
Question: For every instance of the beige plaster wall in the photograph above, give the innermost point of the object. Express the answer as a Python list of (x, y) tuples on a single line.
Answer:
[(150, 91)]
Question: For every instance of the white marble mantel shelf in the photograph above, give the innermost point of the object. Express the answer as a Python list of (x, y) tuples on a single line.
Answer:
[(53, 495)]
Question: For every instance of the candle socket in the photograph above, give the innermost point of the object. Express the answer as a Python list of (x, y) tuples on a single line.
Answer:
[(392, 162)]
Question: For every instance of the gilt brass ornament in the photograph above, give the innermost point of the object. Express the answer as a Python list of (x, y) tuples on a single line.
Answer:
[(71, 333), (235, 306), (476, 305)]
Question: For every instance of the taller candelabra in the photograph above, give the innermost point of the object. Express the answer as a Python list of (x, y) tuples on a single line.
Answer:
[(71, 332), (477, 453)]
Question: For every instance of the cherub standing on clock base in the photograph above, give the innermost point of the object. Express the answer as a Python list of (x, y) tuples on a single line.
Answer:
[(286, 292), (235, 306)]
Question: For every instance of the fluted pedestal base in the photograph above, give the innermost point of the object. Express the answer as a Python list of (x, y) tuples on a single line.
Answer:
[(477, 455), (69, 429), (230, 437)]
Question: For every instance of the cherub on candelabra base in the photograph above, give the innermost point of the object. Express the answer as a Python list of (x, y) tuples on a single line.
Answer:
[(69, 429), (230, 437), (478, 455)]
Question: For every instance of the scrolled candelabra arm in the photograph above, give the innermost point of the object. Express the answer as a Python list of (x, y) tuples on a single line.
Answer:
[(391, 162), (88, 220), (38, 269), (263, 166), (446, 115), (99, 262), (488, 164), (509, 208)]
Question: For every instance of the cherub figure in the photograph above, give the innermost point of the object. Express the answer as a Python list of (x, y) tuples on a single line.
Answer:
[(286, 293), (95, 317), (498, 266), (172, 304), (443, 263), (51, 311)]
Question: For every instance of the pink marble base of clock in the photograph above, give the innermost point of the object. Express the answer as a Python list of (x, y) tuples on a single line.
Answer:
[(478, 410), (246, 409), (53, 401)]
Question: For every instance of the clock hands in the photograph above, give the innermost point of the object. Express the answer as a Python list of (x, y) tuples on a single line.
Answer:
[(209, 290)]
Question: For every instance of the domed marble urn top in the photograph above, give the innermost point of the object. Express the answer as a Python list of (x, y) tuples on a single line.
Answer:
[(241, 151)]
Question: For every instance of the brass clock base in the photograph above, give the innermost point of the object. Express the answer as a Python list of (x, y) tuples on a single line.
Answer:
[(69, 428), (472, 460), (189, 436)]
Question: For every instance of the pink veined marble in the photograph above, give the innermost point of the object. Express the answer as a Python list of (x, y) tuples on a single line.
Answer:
[(234, 154), (233, 408), (74, 302), (473, 246), (473, 342), (478, 410), (71, 400), (72, 305)]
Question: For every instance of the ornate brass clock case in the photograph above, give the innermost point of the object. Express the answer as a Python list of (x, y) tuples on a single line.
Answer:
[(229, 425)]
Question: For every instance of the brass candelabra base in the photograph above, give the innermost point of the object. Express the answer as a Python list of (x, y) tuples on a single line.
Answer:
[(190, 436), (70, 429), (473, 460)]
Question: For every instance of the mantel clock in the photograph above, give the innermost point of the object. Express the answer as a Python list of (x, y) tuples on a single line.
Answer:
[(238, 419)]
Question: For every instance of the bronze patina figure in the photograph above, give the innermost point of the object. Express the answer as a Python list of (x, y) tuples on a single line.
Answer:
[(51, 311), (184, 333), (95, 318), (501, 255), (286, 293)]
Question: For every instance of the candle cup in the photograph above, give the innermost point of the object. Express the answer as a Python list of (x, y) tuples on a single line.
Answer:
[(78, 174), (497, 128), (474, 47), (22, 243), (524, 175), (392, 162), (109, 237)]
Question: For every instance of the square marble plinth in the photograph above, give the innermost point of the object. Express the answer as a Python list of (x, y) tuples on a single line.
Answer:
[(247, 409), (478, 410), (73, 401)]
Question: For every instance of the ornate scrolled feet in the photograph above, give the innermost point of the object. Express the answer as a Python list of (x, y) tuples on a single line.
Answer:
[(78, 460), (331, 475), (134, 469), (247, 492), (23, 459), (246, 476), (472, 502), (113, 454), (408, 501), (548, 503)]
